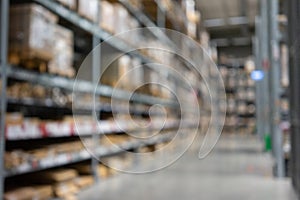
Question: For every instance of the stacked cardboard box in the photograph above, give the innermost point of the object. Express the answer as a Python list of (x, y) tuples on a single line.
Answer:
[(30, 192), (62, 63), (85, 170), (125, 73), (62, 181), (35, 40), (31, 36), (31, 32), (88, 9)]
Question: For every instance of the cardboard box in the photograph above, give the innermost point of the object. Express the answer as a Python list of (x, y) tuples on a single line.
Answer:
[(59, 175), (65, 189), (31, 32), (42, 192), (84, 181), (120, 74), (15, 118), (63, 51), (89, 9), (107, 17), (85, 169)]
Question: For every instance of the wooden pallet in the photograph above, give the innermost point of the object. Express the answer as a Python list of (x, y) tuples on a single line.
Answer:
[(37, 62), (30, 60)]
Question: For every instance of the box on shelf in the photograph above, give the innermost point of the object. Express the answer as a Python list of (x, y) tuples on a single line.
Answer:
[(29, 192), (66, 189), (120, 74), (137, 73), (88, 9), (55, 176), (107, 16), (123, 22), (121, 18), (27, 90), (124, 66), (63, 51), (84, 181), (121, 162), (31, 35), (151, 78), (14, 158), (85, 169), (15, 118), (108, 140)]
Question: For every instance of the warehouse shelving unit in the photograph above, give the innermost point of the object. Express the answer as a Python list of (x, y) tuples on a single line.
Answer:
[(246, 99), (229, 76), (240, 92), (17, 73)]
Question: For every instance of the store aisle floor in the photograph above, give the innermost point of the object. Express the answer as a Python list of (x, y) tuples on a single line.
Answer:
[(237, 169)]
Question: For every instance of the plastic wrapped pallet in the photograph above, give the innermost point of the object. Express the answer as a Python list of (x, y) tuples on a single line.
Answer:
[(107, 17), (63, 50), (31, 32), (89, 9)]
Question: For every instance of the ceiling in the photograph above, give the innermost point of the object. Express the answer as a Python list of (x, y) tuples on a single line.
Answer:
[(229, 22)]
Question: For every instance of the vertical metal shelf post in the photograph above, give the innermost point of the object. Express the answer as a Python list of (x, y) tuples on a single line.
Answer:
[(294, 73), (3, 43), (96, 71), (265, 65), (259, 95), (275, 89)]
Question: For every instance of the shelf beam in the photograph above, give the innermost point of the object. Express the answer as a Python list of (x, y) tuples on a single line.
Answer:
[(83, 86), (69, 158)]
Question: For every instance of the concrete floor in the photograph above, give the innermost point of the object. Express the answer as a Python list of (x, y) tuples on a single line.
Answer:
[(237, 169)]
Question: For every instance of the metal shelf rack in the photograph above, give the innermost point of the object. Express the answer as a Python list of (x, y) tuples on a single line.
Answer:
[(8, 71)]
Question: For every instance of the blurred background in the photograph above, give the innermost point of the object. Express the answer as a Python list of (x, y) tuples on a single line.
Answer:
[(127, 119)]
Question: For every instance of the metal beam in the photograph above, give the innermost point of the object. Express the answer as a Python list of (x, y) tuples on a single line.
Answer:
[(236, 41), (231, 21), (160, 16)]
